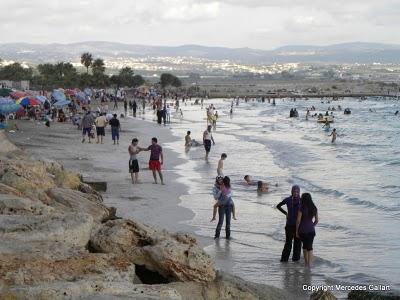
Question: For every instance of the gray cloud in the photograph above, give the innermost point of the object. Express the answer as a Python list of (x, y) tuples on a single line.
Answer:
[(236, 23)]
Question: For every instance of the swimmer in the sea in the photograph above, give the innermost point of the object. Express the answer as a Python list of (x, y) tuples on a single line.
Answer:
[(333, 134)]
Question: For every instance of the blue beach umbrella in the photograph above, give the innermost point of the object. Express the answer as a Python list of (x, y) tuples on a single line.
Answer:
[(9, 108), (58, 95), (6, 100), (41, 98), (59, 104)]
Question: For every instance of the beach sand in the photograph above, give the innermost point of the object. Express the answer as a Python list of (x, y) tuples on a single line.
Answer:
[(156, 205)]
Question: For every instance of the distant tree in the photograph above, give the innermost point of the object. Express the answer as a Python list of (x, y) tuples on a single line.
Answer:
[(87, 60), (167, 79), (125, 76), (15, 72), (137, 80), (98, 67)]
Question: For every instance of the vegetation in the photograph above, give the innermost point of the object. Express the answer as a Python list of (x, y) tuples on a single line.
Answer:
[(65, 75), (167, 79), (87, 60)]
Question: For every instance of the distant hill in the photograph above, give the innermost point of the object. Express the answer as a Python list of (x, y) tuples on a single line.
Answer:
[(339, 53)]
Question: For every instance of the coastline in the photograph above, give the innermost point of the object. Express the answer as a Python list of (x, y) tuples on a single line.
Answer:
[(148, 203)]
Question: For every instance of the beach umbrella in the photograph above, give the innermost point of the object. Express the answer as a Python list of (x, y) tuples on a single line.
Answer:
[(42, 99), (9, 108), (26, 101), (58, 95), (70, 92), (88, 92), (4, 92), (6, 100), (17, 94), (81, 96), (59, 104)]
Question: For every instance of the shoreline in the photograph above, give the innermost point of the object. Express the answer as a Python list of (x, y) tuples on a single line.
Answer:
[(99, 163)]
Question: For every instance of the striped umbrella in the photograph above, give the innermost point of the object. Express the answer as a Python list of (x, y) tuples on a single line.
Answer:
[(26, 101)]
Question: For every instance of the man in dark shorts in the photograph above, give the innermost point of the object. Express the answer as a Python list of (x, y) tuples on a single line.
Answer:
[(115, 128), (207, 139), (155, 162), (87, 122), (293, 206)]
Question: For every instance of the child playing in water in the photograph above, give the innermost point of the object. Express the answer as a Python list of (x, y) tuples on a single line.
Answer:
[(333, 134), (220, 167)]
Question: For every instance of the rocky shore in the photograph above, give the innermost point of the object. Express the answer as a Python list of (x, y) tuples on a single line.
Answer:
[(59, 241)]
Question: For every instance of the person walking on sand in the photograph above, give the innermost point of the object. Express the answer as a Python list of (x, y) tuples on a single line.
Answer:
[(293, 205), (333, 135), (115, 129), (155, 162), (101, 123), (220, 168), (225, 206), (133, 150), (134, 108), (207, 139), (87, 122), (307, 219)]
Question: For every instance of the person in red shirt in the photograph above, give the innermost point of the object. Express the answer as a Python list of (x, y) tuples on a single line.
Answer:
[(155, 162)]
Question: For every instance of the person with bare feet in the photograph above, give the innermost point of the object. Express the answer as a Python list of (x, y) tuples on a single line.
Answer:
[(133, 150), (155, 162)]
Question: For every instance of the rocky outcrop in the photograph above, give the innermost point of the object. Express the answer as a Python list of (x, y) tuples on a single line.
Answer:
[(175, 257), (322, 295), (59, 241)]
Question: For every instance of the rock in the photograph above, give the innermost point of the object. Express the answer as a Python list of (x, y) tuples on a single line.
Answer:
[(366, 295), (72, 200), (157, 250), (5, 189), (14, 205), (99, 186), (322, 295), (71, 229), (87, 189)]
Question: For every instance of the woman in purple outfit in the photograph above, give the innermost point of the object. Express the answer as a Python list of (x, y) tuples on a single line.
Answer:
[(307, 218)]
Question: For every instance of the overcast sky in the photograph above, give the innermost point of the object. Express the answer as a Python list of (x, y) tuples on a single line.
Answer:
[(262, 24)]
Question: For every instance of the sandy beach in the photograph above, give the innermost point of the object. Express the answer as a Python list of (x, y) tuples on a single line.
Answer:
[(157, 205)]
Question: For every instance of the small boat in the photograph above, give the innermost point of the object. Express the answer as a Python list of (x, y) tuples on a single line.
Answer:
[(325, 119)]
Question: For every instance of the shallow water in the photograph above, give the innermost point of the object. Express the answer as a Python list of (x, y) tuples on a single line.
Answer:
[(355, 184)]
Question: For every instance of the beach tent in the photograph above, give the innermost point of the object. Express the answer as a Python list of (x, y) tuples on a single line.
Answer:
[(5, 92), (41, 99), (58, 95), (26, 101)]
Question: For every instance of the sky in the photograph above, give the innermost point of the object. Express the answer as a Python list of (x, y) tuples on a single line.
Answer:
[(260, 24)]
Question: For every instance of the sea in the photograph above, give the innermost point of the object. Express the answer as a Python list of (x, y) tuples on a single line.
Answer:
[(354, 182)]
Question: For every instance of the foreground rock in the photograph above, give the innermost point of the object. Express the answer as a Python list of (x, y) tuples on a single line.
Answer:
[(174, 257), (59, 241)]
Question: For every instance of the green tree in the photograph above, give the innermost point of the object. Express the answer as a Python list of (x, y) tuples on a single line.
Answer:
[(98, 67), (15, 72), (167, 79), (87, 60), (137, 80)]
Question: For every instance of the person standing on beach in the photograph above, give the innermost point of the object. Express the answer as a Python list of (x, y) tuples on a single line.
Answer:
[(207, 139), (154, 162), (133, 150), (220, 168), (293, 205), (333, 135), (305, 226), (115, 128), (101, 123), (126, 107), (87, 122), (134, 108), (225, 206)]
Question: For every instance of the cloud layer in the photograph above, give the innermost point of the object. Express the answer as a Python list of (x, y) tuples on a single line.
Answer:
[(263, 24)]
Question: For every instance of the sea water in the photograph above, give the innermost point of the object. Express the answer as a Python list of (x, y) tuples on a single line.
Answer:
[(354, 182)]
